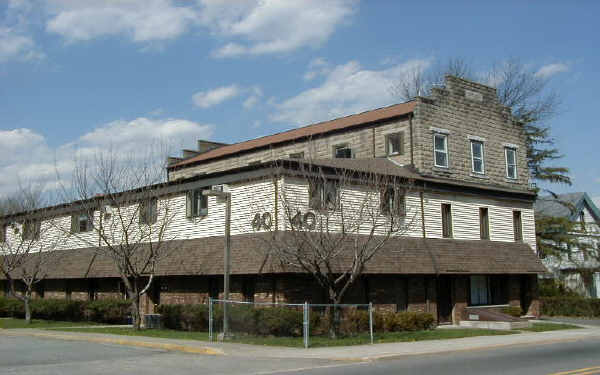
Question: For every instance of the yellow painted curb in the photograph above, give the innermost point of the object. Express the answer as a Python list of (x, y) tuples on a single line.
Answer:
[(127, 342)]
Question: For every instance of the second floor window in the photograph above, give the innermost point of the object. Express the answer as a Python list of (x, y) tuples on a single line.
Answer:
[(31, 230), (197, 203), (517, 226), (446, 220), (297, 155), (323, 195), (81, 222), (511, 162), (440, 149), (394, 144), (477, 162), (148, 211), (484, 223), (342, 152), (392, 202)]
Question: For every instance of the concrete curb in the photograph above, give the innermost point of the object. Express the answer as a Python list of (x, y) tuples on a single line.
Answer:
[(126, 342)]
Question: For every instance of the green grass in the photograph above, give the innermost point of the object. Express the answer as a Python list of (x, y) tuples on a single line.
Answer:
[(8, 323), (543, 327), (315, 341)]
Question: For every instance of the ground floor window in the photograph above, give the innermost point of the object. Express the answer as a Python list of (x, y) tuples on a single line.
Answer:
[(488, 290)]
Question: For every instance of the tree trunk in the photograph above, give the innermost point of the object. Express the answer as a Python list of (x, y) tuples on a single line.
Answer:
[(27, 308), (334, 316), (135, 313)]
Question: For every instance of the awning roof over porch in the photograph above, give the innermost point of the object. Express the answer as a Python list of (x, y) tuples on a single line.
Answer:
[(249, 255)]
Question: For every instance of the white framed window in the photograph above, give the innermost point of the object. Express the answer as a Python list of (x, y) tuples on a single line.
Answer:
[(511, 162), (440, 150), (477, 158), (197, 203)]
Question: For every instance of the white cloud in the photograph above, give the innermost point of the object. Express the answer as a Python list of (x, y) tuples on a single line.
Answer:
[(255, 96), (549, 70), (26, 156), (206, 99), (17, 46), (317, 67), (347, 89), (141, 20), (273, 26)]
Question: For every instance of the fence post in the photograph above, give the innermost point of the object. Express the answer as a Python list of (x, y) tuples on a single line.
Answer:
[(210, 319), (371, 320), (306, 325)]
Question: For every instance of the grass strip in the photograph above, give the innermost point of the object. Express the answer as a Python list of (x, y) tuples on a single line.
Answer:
[(8, 323), (315, 341), (543, 327)]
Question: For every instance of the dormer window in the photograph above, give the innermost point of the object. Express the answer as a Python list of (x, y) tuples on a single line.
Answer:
[(342, 152), (440, 146), (323, 195), (393, 202)]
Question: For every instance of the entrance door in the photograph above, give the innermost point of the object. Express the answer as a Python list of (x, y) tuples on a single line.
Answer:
[(444, 299)]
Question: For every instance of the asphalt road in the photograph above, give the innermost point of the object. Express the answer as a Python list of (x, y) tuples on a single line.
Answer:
[(37, 356)]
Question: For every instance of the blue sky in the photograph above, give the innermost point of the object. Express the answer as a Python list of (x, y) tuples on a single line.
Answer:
[(79, 75)]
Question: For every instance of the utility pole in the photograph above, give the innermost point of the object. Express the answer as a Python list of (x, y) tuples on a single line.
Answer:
[(226, 256)]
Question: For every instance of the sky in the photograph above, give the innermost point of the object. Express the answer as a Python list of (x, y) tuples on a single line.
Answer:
[(78, 76)]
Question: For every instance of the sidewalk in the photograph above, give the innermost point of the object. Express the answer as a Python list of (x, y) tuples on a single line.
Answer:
[(342, 353)]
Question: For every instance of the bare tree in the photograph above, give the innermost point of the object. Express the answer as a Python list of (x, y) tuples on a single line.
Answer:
[(527, 93), (346, 221), (27, 244), (123, 214)]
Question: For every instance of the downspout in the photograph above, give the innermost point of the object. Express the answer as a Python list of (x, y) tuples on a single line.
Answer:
[(423, 212), (373, 138), (412, 142), (276, 184)]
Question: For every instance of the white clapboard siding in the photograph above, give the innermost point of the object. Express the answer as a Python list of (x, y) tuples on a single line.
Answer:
[(353, 198), (465, 217)]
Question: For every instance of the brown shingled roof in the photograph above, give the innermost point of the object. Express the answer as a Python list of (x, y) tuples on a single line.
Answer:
[(400, 255), (306, 131)]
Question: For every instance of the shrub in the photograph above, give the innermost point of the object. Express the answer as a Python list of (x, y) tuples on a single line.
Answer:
[(170, 316), (555, 288), (570, 306), (111, 311), (515, 311), (279, 321), (11, 308), (57, 309), (355, 322)]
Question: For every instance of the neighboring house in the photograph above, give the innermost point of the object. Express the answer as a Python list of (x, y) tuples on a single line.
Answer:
[(471, 243), (578, 265)]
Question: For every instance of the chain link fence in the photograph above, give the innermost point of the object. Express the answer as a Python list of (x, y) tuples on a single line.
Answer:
[(301, 321)]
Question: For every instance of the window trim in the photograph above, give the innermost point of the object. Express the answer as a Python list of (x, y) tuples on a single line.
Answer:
[(192, 210), (342, 146), (400, 136), (445, 137), (485, 224), (25, 231), (518, 230), (398, 202), (447, 225), (472, 143), (76, 222), (321, 202), (146, 207), (506, 149)]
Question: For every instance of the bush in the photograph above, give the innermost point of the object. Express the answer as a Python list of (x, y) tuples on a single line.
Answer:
[(111, 311), (279, 321), (102, 311), (515, 311), (555, 288), (57, 309), (570, 306)]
